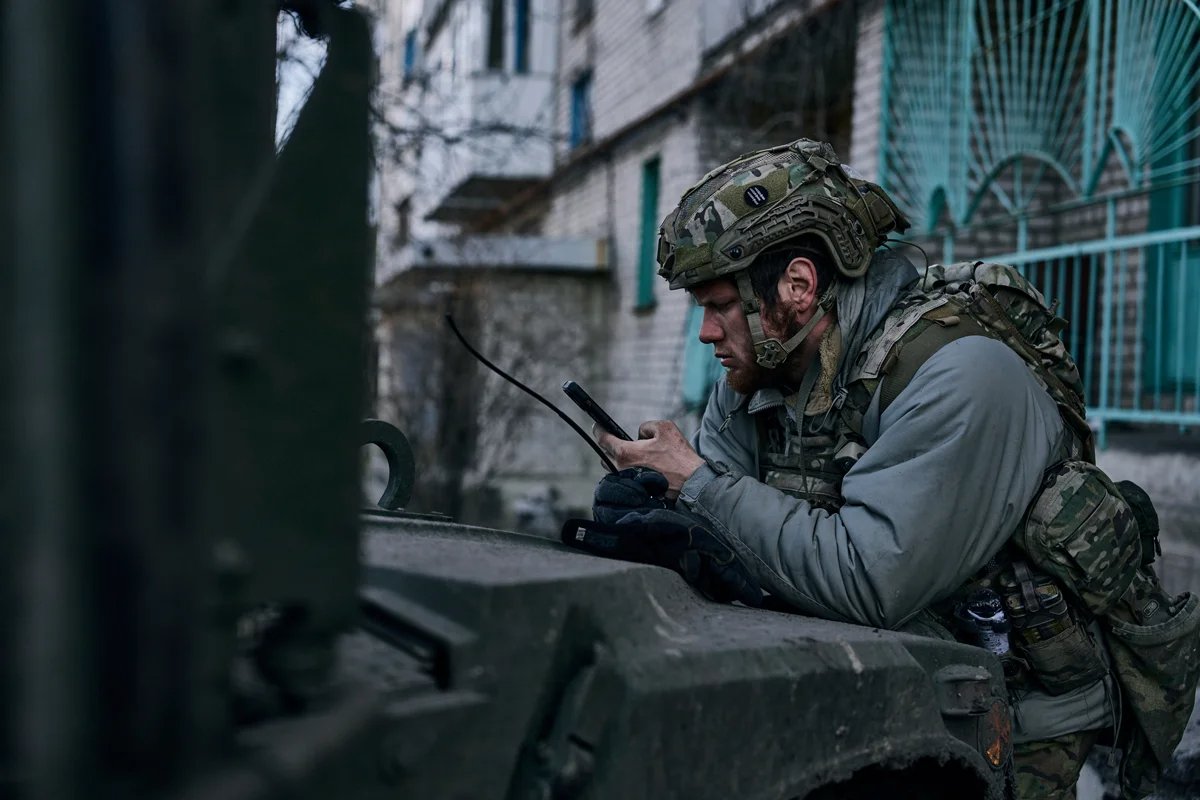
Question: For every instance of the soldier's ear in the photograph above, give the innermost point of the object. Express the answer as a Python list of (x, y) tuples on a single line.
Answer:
[(798, 283)]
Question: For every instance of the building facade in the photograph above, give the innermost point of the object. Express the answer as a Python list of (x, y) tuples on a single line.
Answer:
[(549, 140)]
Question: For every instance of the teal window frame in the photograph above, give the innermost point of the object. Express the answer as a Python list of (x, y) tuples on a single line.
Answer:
[(701, 370), (581, 111), (521, 36), (495, 39), (647, 266), (410, 54)]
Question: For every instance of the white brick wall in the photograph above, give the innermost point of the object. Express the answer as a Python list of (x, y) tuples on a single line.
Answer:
[(868, 91), (629, 359), (640, 349), (637, 62), (637, 59), (579, 204), (645, 355), (635, 67)]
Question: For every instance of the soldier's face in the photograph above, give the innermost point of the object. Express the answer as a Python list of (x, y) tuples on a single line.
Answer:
[(726, 329)]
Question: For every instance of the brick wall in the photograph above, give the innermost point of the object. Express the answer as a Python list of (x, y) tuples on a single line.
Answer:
[(640, 349), (646, 348), (868, 91), (637, 59)]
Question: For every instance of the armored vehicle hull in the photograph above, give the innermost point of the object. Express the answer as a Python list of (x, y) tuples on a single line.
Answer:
[(523, 668)]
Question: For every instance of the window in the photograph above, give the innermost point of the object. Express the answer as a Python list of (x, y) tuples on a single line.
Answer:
[(403, 223), (583, 13), (495, 42), (521, 37), (581, 110), (647, 261), (410, 54)]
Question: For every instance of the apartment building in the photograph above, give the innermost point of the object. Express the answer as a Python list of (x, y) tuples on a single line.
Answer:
[(551, 138), (467, 122), (546, 143)]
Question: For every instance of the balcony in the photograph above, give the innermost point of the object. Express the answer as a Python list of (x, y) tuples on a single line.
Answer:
[(447, 256), (498, 142)]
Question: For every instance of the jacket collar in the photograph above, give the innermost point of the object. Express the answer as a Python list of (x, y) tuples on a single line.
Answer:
[(862, 304)]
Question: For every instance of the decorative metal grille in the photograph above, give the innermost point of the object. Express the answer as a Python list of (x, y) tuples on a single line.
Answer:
[(1061, 136), (1052, 89)]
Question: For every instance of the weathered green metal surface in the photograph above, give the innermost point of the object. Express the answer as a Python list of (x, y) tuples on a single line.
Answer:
[(292, 300), (399, 455), (182, 358), (105, 358), (550, 668)]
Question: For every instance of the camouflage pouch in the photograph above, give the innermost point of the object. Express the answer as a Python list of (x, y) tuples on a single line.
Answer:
[(1155, 647), (1082, 532), (1046, 633), (1146, 518)]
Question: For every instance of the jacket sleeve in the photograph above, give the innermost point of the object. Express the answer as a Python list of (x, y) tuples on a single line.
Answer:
[(726, 436), (960, 454)]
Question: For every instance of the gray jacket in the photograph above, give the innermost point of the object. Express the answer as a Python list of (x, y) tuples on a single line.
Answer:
[(950, 468)]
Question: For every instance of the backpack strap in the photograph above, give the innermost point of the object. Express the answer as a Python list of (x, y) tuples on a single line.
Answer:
[(935, 330)]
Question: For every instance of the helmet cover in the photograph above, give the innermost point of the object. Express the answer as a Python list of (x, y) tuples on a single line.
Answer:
[(771, 196)]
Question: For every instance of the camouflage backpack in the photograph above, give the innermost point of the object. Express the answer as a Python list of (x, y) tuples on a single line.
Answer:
[(1095, 539)]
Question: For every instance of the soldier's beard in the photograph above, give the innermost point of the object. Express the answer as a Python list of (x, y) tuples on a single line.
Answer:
[(749, 378)]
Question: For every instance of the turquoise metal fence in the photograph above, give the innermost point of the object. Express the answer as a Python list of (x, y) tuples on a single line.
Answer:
[(1134, 325), (1063, 136), (1053, 90)]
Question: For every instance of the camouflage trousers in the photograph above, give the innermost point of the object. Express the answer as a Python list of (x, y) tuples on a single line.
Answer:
[(1049, 768)]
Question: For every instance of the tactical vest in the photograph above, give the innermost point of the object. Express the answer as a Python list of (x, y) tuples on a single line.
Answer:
[(1081, 533), (806, 455)]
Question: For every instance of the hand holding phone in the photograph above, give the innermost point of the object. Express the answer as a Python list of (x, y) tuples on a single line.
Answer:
[(593, 410)]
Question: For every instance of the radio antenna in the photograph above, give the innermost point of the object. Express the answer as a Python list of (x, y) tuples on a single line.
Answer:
[(575, 427)]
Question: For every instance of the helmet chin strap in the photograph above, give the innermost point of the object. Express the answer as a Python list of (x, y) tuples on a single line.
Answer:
[(770, 352)]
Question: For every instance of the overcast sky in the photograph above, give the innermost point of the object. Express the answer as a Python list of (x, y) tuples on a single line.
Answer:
[(299, 63)]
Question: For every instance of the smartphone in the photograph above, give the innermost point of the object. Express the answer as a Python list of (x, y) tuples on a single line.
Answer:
[(593, 410)]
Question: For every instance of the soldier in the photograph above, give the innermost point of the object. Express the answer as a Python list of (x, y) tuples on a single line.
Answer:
[(867, 456)]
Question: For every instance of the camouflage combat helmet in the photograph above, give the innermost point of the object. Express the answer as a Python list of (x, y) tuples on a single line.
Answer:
[(758, 200)]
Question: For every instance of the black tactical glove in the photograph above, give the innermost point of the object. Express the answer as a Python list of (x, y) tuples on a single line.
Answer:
[(677, 540), (631, 489)]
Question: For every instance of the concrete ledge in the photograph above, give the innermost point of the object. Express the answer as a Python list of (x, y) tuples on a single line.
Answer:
[(529, 253)]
